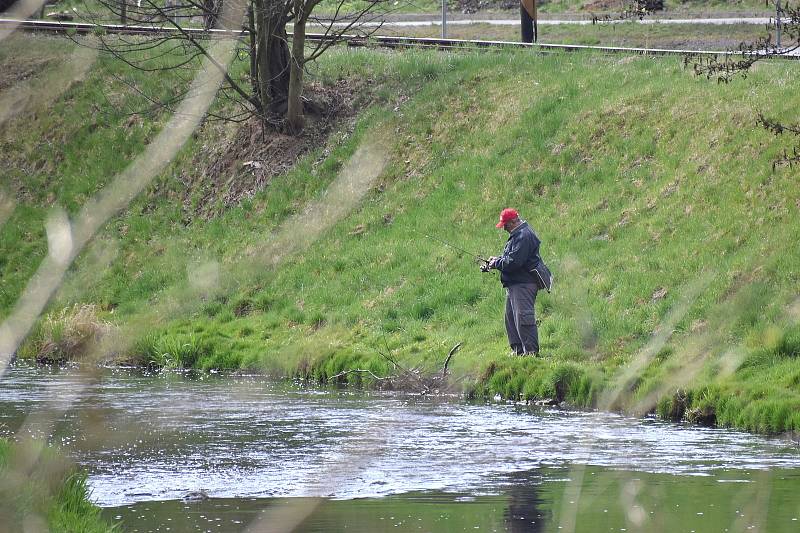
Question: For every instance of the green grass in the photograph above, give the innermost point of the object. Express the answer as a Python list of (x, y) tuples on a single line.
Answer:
[(629, 34), (46, 493), (650, 189)]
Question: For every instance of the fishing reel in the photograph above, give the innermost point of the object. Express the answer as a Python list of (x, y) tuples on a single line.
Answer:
[(485, 266)]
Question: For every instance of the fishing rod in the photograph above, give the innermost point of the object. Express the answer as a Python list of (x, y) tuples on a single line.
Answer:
[(484, 266)]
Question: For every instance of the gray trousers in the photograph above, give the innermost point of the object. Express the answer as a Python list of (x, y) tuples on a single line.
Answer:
[(521, 319)]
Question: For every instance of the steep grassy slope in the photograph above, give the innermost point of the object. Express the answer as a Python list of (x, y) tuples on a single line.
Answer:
[(653, 193)]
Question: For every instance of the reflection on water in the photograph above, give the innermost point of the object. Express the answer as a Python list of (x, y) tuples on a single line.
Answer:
[(610, 501), (408, 512), (393, 462)]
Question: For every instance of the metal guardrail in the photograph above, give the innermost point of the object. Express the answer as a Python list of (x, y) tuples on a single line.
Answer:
[(55, 26), (352, 40)]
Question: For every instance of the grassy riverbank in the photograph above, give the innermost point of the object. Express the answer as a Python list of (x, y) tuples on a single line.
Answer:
[(652, 191), (41, 492)]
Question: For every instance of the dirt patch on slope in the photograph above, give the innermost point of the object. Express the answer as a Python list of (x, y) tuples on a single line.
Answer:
[(12, 73), (245, 163)]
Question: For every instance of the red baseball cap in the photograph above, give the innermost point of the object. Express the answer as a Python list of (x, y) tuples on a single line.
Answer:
[(507, 215)]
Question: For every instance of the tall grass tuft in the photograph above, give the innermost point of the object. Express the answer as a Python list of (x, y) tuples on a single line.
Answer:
[(789, 345), (169, 350), (73, 510), (66, 335), (41, 491)]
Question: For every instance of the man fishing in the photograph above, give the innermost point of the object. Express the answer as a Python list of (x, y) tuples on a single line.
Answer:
[(518, 275)]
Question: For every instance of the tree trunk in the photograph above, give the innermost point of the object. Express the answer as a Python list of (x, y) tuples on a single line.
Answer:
[(210, 12), (272, 57), (251, 20), (294, 114)]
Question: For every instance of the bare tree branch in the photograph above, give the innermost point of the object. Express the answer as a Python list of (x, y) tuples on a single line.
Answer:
[(276, 66)]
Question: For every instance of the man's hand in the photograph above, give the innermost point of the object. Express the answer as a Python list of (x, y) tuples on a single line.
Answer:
[(493, 262)]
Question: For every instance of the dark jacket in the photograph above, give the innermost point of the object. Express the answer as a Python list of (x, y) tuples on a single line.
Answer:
[(520, 257)]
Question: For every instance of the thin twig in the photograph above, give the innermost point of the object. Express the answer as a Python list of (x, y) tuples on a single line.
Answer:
[(362, 371)]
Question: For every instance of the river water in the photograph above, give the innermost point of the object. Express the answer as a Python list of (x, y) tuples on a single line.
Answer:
[(173, 452)]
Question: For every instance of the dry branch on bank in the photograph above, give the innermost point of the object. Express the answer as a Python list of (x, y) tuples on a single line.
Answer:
[(414, 379)]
